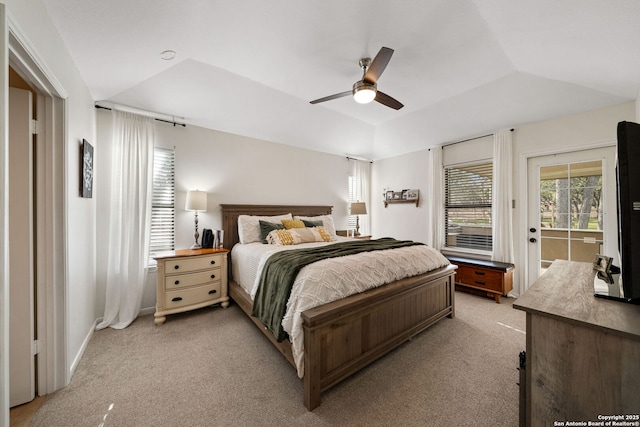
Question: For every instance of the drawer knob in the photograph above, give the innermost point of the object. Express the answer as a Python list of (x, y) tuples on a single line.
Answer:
[(478, 282), (213, 276), (176, 267), (480, 273), (213, 261), (176, 299), (177, 282), (212, 291)]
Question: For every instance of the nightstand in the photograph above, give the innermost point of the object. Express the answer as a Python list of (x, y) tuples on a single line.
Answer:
[(189, 279), (361, 237)]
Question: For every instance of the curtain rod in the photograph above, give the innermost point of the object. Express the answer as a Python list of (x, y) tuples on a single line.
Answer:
[(174, 123), (361, 159), (471, 139)]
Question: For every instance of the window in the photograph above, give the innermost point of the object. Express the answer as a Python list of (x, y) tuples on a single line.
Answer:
[(467, 206), (163, 201), (353, 185)]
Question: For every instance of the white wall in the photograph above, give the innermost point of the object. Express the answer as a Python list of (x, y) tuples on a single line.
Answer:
[(79, 292), (402, 221), (590, 129), (231, 169)]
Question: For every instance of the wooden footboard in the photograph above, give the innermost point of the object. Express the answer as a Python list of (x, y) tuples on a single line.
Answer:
[(344, 336)]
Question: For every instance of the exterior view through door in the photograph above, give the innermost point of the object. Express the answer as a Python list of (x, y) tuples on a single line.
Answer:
[(572, 211)]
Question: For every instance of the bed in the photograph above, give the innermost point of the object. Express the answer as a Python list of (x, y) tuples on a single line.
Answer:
[(343, 336)]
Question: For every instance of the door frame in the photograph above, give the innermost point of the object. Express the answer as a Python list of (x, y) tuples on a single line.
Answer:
[(520, 233), (50, 219)]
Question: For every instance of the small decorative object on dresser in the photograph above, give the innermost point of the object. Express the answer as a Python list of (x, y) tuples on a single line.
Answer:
[(189, 279)]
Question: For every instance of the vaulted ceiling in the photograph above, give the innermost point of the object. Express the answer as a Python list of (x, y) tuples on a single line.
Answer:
[(461, 68)]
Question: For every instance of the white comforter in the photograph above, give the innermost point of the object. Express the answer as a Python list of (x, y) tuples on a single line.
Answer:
[(330, 279)]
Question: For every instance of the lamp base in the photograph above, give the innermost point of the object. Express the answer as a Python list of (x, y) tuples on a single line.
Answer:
[(196, 246)]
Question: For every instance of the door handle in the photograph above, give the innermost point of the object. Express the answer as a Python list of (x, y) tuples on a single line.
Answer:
[(533, 240)]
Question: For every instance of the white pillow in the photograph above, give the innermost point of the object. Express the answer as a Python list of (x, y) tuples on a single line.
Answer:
[(327, 222), (249, 226)]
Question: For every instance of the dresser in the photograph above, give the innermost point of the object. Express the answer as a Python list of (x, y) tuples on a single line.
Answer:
[(582, 359), (491, 278), (189, 279)]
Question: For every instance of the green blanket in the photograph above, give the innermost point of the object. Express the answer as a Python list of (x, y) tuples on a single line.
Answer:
[(281, 269)]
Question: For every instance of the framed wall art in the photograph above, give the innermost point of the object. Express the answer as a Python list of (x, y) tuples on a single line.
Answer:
[(86, 170)]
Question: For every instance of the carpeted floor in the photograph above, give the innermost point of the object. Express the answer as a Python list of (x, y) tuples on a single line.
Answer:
[(212, 367)]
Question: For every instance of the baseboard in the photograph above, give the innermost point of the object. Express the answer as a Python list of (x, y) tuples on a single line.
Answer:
[(80, 353), (146, 311), (85, 343)]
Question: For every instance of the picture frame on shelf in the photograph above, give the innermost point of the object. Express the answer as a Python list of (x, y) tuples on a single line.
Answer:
[(397, 195), (413, 194), (389, 195)]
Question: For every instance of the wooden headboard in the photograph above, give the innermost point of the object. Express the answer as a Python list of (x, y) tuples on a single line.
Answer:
[(230, 214)]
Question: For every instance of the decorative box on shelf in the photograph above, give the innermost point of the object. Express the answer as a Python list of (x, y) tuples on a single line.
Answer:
[(404, 196)]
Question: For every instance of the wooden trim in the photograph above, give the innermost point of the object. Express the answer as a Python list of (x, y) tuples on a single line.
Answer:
[(344, 336)]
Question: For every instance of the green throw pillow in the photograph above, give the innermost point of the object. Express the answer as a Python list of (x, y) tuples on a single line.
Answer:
[(267, 227)]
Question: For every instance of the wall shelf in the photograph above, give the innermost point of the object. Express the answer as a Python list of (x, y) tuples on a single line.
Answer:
[(404, 196), (391, 202)]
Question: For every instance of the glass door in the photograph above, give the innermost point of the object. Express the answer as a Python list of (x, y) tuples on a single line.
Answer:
[(572, 214)]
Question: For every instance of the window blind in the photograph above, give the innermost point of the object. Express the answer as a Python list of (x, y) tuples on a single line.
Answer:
[(468, 222), (353, 184), (163, 202)]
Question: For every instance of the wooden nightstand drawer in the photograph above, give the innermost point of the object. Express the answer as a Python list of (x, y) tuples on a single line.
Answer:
[(182, 265), (181, 298), (177, 281)]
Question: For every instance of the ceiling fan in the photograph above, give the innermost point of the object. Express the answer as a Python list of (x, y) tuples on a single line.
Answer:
[(366, 90)]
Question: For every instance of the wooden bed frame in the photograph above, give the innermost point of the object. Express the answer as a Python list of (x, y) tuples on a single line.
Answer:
[(344, 336)]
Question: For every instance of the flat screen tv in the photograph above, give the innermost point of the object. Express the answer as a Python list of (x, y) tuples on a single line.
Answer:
[(628, 198)]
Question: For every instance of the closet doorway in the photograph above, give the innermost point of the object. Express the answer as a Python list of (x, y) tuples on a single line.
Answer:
[(22, 290), (48, 207)]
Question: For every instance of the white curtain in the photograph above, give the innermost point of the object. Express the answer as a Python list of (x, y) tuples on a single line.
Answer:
[(361, 170), (502, 196), (130, 217), (435, 199)]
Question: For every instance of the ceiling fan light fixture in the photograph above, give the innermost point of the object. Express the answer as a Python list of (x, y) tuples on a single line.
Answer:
[(363, 93)]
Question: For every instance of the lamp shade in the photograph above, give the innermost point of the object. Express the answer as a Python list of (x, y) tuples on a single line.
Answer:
[(196, 201), (358, 208)]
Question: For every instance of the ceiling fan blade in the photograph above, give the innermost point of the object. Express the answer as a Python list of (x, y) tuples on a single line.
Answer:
[(385, 99), (330, 97), (378, 65)]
